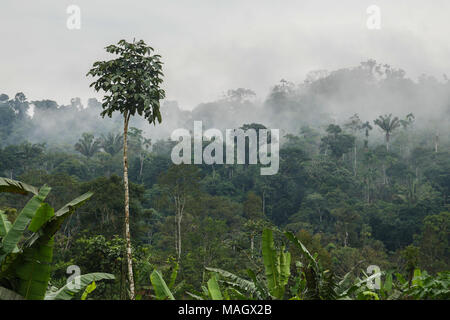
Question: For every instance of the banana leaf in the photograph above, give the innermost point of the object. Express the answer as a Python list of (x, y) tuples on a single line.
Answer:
[(214, 289), (159, 285), (13, 186), (5, 224), (68, 291), (12, 238)]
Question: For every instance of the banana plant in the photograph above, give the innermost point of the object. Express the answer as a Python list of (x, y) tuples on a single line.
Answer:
[(277, 265), (277, 273), (26, 245)]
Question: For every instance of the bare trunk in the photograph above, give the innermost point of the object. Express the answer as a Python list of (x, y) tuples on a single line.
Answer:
[(176, 234), (436, 142), (264, 202), (141, 159), (387, 142), (179, 238), (127, 206), (354, 164), (252, 245)]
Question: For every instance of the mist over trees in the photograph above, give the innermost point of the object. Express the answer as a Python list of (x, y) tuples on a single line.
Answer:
[(364, 179), (369, 90)]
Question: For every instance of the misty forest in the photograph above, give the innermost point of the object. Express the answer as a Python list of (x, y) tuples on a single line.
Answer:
[(359, 208)]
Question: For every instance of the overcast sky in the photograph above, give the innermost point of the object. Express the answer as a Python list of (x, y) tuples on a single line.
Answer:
[(210, 46)]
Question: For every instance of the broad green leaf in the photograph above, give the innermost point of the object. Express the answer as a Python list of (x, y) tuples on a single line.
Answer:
[(214, 289), (55, 222), (44, 213), (302, 248), (5, 224), (33, 270), (14, 235), (159, 285), (173, 276), (88, 290), (13, 186), (270, 261), (72, 205), (387, 287), (285, 267), (244, 285), (68, 291)]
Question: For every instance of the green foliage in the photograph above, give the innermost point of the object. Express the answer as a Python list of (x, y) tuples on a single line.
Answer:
[(25, 264), (162, 291), (84, 281), (131, 81), (276, 264)]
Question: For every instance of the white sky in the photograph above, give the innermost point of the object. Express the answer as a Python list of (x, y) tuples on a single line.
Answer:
[(210, 46)]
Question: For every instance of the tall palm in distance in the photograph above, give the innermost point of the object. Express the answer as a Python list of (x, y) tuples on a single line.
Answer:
[(88, 146), (112, 143), (388, 124)]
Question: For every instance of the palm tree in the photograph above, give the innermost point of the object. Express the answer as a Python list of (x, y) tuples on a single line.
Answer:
[(366, 127), (388, 125), (131, 83), (112, 143), (87, 145)]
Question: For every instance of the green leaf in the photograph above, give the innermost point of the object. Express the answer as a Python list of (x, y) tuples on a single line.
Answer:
[(13, 186), (88, 290), (68, 291), (285, 268), (270, 261), (14, 235), (55, 222), (173, 276), (33, 270), (302, 248), (244, 285), (159, 285), (44, 213), (72, 205), (387, 287), (214, 289), (5, 224)]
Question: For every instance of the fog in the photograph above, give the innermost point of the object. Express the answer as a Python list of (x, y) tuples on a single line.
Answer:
[(208, 48)]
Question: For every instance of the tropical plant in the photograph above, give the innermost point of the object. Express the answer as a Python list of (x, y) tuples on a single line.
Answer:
[(388, 124), (26, 247), (88, 146), (112, 143), (84, 281), (131, 84)]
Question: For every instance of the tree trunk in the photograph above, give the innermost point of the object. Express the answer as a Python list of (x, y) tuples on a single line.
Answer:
[(127, 205), (141, 162), (387, 142), (264, 203), (176, 233), (179, 238), (436, 142)]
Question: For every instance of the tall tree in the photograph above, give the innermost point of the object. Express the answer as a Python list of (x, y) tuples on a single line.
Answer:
[(112, 143), (131, 83), (88, 145), (388, 125), (366, 127), (181, 184)]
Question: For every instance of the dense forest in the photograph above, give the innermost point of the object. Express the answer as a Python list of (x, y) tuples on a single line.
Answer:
[(364, 180)]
